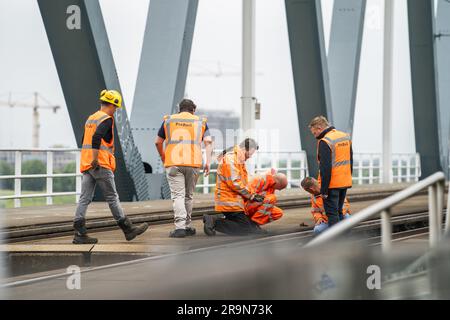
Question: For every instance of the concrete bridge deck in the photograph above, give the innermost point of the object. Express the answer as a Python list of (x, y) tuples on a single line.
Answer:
[(53, 252)]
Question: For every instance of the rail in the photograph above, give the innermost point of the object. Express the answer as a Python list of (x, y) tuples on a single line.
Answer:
[(436, 186)]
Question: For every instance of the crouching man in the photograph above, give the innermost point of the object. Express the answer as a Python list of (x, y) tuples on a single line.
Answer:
[(312, 186), (267, 211), (232, 191)]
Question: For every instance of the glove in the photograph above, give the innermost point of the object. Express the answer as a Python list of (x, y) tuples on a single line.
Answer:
[(94, 164), (257, 198)]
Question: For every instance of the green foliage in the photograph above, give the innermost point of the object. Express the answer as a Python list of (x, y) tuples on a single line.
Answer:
[(33, 167), (6, 170), (65, 184)]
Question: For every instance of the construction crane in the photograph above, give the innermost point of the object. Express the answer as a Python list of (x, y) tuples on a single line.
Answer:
[(36, 106), (216, 71)]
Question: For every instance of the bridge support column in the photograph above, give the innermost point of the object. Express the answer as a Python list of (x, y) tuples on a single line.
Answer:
[(310, 71), (423, 76), (162, 76), (83, 59), (442, 46), (344, 58)]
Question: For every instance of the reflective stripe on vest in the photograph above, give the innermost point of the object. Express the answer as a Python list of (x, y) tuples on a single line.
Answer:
[(180, 151), (227, 198), (106, 157), (340, 147), (332, 144), (235, 176), (230, 204), (198, 133), (98, 121), (89, 146)]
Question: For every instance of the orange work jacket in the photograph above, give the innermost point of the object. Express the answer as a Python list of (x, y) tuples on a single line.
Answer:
[(106, 157)]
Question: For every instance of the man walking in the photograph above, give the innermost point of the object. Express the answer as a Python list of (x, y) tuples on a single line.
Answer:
[(335, 157), (182, 157), (97, 165), (232, 189)]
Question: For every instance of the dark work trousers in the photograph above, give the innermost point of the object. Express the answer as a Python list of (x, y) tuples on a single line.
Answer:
[(235, 224), (333, 205)]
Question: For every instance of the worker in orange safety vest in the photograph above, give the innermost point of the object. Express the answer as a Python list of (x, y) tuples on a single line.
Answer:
[(312, 186), (265, 185), (232, 191), (97, 164), (335, 158)]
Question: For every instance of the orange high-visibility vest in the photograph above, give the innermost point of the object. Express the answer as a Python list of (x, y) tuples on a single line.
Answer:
[(184, 134), (106, 157), (231, 182), (340, 145), (318, 210), (263, 213)]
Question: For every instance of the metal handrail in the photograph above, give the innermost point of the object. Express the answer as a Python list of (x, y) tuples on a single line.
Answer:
[(435, 184)]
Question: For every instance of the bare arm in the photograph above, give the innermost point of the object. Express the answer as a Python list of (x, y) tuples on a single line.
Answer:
[(159, 143), (208, 150)]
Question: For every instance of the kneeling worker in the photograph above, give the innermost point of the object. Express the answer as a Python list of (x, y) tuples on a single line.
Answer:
[(267, 211), (232, 189), (97, 165), (312, 186)]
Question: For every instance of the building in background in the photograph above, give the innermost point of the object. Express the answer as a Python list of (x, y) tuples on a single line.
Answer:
[(219, 121)]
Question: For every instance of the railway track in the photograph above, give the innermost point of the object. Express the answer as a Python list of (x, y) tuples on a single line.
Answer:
[(404, 226), (51, 230)]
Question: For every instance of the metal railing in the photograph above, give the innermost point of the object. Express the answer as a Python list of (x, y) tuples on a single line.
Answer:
[(367, 170), (49, 194), (436, 186), (293, 164)]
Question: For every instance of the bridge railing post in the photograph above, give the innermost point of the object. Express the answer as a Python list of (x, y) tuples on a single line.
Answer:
[(77, 178), (289, 169), (49, 177), (447, 216), (440, 189), (386, 231), (17, 179), (433, 222)]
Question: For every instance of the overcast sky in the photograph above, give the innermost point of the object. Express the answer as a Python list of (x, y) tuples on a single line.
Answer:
[(27, 65)]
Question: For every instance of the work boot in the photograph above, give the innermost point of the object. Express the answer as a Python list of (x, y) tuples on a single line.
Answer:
[(258, 230), (129, 230), (190, 231), (178, 233), (209, 224), (81, 236)]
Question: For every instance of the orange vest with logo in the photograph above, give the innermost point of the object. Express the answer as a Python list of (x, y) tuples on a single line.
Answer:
[(184, 134), (231, 182), (340, 145), (106, 157)]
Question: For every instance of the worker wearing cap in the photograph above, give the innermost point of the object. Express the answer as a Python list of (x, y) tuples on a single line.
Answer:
[(312, 186), (97, 166), (232, 190), (335, 157), (183, 134)]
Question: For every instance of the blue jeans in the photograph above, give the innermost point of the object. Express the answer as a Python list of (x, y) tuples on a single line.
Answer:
[(323, 226), (333, 205)]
